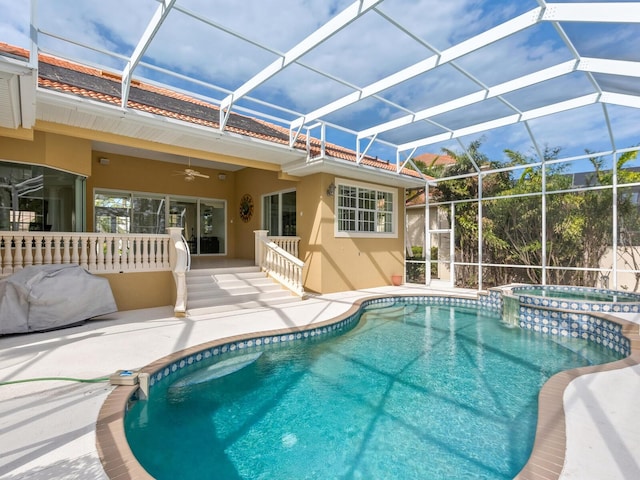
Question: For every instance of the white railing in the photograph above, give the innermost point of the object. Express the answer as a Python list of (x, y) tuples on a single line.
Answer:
[(278, 263), (288, 244), (95, 252), (180, 263)]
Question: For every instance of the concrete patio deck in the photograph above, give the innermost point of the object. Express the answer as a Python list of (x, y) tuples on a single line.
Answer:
[(47, 428)]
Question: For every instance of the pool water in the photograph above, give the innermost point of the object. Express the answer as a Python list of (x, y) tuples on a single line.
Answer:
[(584, 294), (411, 392)]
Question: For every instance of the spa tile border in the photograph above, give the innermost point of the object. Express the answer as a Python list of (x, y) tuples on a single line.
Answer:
[(545, 462), (580, 305)]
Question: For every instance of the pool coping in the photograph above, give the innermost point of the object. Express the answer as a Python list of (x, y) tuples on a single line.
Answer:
[(545, 462)]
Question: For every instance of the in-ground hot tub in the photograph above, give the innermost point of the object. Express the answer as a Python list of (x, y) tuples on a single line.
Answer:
[(585, 299)]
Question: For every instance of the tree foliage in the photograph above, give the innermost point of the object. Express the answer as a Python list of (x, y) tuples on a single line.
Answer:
[(578, 231)]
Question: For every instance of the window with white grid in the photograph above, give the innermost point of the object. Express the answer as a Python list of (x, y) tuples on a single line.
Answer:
[(364, 210)]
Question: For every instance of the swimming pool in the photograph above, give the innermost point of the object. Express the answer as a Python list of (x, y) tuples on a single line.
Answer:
[(410, 391)]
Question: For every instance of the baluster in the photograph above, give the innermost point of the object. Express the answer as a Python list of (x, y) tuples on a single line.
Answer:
[(165, 254), (75, 256), (145, 252), (153, 252), (124, 253), (93, 254), (138, 250), (100, 252), (17, 257), (8, 257), (38, 242), (109, 245), (28, 250), (66, 254), (57, 257), (48, 257)]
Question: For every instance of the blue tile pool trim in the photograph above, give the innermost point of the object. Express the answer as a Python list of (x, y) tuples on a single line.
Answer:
[(581, 305), (542, 320), (490, 301), (576, 325)]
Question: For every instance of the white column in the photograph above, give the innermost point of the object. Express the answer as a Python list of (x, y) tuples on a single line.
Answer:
[(260, 236)]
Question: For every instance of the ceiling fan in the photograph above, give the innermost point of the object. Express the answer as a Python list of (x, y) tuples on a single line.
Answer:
[(190, 174)]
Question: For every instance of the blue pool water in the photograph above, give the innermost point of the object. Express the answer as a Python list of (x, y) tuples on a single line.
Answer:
[(411, 392), (581, 293)]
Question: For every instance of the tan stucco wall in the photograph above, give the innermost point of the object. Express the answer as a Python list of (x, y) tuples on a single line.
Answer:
[(142, 290), (337, 264), (142, 175), (256, 183), (57, 151)]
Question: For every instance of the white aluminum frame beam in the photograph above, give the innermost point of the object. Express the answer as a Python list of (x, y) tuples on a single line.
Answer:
[(488, 37), (476, 97), (333, 26), (551, 109), (152, 28), (614, 12), (585, 64)]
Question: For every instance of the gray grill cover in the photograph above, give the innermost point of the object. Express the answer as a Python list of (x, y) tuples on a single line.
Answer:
[(52, 296)]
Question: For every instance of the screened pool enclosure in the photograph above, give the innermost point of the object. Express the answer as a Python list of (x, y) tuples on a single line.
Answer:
[(537, 103)]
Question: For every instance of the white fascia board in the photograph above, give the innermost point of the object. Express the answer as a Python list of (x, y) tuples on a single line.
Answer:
[(345, 168), (615, 12), (28, 87), (88, 106), (620, 99), (504, 30), (609, 66), (15, 66), (337, 23)]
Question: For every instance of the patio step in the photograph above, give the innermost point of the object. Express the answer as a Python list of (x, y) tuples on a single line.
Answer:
[(214, 290)]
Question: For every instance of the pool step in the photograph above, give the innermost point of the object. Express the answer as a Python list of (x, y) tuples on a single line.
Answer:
[(214, 290)]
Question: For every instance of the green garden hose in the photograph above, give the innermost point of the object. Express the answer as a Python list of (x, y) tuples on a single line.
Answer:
[(65, 379)]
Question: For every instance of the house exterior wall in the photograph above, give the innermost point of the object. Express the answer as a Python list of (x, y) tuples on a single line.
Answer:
[(256, 183), (49, 149), (133, 291), (337, 264), (142, 175)]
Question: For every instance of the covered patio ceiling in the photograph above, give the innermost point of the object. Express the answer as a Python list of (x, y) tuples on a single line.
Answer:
[(388, 78)]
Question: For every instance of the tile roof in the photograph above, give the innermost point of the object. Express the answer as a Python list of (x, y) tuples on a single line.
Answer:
[(69, 77), (434, 159)]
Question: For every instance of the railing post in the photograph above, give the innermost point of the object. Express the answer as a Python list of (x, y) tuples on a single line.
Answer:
[(260, 237), (178, 261)]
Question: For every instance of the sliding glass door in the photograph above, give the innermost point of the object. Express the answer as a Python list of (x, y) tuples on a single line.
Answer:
[(203, 220), (279, 213)]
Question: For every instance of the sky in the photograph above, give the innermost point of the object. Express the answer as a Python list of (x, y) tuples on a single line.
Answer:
[(239, 39)]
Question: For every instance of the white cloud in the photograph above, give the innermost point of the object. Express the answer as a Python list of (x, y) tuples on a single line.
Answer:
[(364, 52)]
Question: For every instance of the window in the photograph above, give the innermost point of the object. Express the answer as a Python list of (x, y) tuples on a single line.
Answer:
[(203, 220), (129, 213), (33, 197), (279, 214), (365, 210)]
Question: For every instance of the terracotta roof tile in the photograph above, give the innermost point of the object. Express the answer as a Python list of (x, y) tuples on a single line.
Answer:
[(435, 159), (87, 82)]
